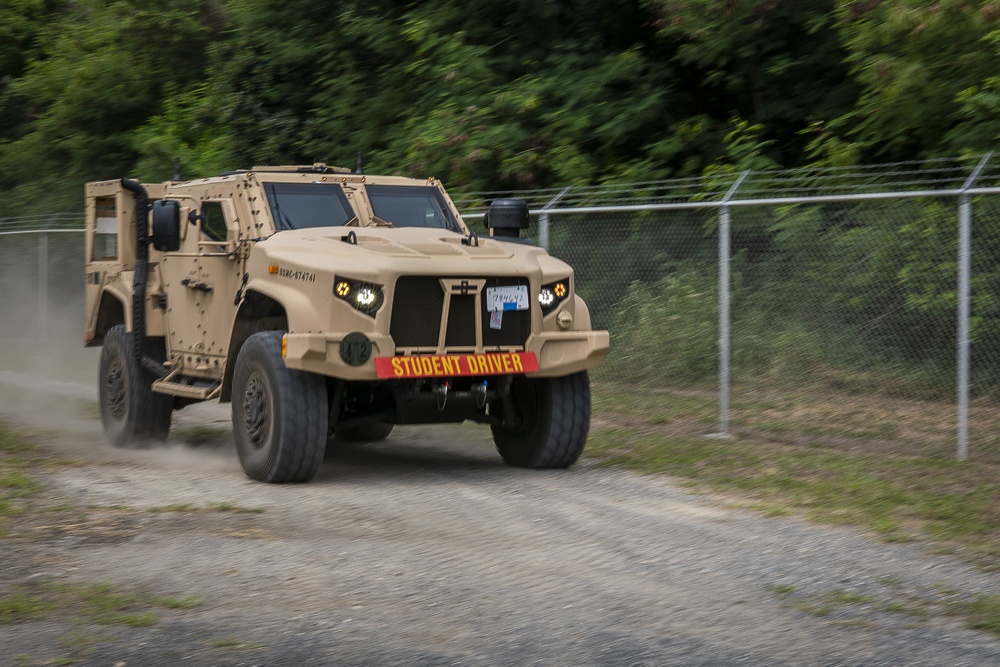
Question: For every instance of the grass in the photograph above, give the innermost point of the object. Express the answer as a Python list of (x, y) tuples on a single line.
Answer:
[(224, 506), (882, 487), (983, 613), (101, 604), (863, 610), (23, 607), (85, 605), (17, 487)]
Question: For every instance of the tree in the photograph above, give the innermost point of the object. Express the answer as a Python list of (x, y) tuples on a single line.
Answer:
[(100, 70), (914, 59)]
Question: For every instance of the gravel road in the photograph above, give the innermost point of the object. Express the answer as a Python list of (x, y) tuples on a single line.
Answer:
[(427, 550)]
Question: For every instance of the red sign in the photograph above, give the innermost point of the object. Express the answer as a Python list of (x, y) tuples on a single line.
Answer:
[(455, 365)]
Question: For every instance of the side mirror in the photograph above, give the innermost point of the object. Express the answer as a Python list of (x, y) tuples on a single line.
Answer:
[(507, 217), (166, 225)]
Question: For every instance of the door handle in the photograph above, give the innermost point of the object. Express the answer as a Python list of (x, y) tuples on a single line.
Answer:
[(200, 286)]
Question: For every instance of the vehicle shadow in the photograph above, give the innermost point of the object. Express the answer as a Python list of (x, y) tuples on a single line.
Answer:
[(412, 452)]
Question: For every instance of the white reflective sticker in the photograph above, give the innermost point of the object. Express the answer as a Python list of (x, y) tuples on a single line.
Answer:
[(514, 297)]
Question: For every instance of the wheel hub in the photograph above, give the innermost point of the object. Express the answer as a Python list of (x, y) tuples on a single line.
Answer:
[(256, 416), (114, 388)]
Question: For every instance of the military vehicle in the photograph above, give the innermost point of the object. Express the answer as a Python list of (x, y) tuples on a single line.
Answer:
[(328, 304)]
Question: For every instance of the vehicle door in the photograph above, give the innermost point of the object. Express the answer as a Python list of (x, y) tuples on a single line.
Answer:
[(201, 280)]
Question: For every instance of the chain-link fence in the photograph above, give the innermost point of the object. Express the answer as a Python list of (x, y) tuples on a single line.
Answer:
[(822, 307)]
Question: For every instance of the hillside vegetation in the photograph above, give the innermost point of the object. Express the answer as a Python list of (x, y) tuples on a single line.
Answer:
[(485, 94)]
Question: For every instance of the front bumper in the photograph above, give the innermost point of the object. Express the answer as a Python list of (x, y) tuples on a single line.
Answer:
[(558, 352)]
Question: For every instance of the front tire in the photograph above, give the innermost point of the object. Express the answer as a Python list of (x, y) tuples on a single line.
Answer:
[(555, 421), (132, 413), (279, 415)]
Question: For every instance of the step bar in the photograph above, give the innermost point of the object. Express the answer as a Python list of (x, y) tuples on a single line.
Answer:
[(170, 385)]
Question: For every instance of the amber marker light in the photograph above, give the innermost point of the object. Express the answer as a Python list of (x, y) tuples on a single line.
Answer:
[(343, 289), (273, 268), (284, 347), (551, 295)]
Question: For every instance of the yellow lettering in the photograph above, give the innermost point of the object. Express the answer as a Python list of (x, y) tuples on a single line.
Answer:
[(495, 364), (474, 364), (426, 367), (397, 367), (516, 359), (437, 366), (507, 368)]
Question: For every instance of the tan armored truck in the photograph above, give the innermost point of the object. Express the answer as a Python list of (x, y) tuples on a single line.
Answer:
[(323, 303)]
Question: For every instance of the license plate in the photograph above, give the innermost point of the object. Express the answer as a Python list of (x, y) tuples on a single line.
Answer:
[(455, 365), (514, 297)]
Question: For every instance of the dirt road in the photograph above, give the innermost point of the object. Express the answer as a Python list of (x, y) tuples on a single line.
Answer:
[(427, 550)]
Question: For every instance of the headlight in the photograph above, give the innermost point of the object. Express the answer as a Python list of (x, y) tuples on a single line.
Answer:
[(552, 295), (365, 297)]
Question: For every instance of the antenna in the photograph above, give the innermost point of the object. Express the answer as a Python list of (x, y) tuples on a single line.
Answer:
[(177, 169), (359, 169)]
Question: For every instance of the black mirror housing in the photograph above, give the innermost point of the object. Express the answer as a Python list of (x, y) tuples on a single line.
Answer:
[(166, 234)]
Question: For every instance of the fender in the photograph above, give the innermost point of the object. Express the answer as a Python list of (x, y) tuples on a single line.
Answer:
[(299, 309)]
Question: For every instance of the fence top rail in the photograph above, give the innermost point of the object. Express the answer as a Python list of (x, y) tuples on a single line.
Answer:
[(45, 222), (901, 179), (939, 177), (772, 201)]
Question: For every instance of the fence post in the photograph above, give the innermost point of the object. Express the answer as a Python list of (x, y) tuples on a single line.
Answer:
[(543, 219), (964, 268), (43, 286), (724, 306)]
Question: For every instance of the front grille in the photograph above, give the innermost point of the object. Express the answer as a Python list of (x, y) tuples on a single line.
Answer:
[(418, 305), (416, 311), (461, 321)]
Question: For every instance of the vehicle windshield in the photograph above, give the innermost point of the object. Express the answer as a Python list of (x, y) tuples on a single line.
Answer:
[(411, 206), (302, 205)]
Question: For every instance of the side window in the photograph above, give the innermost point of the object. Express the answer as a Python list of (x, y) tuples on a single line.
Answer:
[(214, 223), (105, 246)]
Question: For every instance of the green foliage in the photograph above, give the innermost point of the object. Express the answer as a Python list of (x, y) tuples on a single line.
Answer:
[(919, 64), (490, 95), (666, 332), (102, 70)]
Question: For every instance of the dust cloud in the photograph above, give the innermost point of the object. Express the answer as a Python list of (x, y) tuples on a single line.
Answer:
[(48, 379)]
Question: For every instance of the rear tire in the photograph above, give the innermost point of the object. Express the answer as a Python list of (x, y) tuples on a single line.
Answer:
[(555, 422), (279, 414), (132, 413), (367, 433)]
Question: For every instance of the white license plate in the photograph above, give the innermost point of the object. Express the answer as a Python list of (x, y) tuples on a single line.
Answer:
[(507, 298)]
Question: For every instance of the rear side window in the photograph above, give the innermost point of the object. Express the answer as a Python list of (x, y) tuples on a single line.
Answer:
[(105, 245), (410, 206), (304, 205)]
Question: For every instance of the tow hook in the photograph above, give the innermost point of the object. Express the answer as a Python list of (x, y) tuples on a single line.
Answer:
[(479, 391), (442, 392)]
